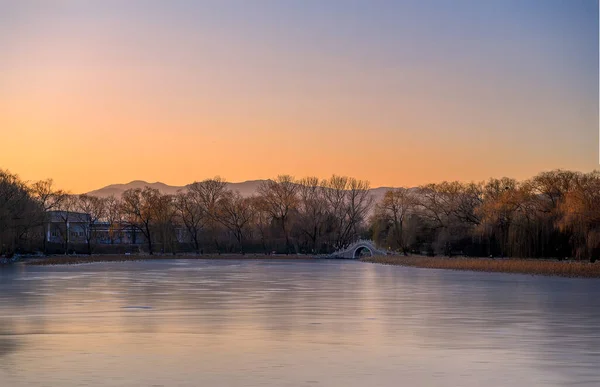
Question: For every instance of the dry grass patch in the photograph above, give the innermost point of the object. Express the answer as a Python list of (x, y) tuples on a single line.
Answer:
[(522, 266)]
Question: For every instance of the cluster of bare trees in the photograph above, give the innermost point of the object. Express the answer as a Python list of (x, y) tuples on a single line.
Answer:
[(554, 214), (285, 215), (25, 209)]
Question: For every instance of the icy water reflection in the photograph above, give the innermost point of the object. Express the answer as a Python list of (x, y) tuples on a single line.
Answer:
[(293, 323)]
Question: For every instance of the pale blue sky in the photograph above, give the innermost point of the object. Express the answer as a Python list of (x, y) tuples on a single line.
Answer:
[(486, 88)]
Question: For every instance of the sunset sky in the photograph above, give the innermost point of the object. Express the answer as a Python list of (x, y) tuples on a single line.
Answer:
[(396, 92)]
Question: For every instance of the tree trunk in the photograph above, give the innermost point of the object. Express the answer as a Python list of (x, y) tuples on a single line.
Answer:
[(241, 241), (149, 241), (46, 231), (196, 244), (218, 247), (66, 238), (287, 239)]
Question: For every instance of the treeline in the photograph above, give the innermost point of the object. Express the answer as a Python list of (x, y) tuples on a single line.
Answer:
[(554, 214), (285, 216)]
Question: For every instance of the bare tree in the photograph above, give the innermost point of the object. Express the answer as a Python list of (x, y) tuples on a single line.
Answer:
[(96, 209), (114, 217), (261, 221), (65, 212), (359, 204), (165, 214), (207, 194), (335, 196), (138, 207), (553, 186), (312, 210), (49, 198), (349, 203), (45, 193), (235, 213), (280, 199), (191, 214), (449, 210), (395, 208), (434, 206)]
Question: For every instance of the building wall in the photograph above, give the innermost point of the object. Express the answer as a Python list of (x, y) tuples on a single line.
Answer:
[(56, 232)]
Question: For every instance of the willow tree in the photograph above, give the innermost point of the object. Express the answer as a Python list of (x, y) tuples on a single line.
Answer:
[(20, 213), (580, 214)]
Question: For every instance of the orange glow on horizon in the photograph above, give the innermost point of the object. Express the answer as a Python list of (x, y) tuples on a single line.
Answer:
[(91, 96)]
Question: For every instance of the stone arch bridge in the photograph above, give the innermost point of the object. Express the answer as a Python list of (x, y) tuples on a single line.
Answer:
[(355, 250)]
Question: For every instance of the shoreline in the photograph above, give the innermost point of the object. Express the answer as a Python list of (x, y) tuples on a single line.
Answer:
[(57, 260), (542, 267)]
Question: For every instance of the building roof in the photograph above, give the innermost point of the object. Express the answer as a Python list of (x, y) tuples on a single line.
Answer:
[(70, 216)]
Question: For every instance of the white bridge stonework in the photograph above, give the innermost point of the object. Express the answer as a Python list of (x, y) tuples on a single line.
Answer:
[(353, 251)]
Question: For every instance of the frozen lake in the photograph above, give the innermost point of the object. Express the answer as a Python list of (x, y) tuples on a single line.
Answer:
[(293, 323)]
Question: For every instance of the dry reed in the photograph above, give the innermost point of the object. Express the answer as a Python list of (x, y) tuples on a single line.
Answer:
[(522, 266)]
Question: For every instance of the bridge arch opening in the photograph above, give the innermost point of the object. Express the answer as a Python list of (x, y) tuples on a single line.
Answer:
[(362, 251)]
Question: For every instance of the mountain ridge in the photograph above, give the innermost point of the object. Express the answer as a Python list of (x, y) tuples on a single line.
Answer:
[(245, 188)]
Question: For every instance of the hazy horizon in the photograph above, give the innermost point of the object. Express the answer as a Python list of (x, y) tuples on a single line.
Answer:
[(397, 93), (151, 183)]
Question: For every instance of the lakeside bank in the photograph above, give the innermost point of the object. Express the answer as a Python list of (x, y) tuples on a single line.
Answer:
[(572, 269), (81, 259), (544, 267)]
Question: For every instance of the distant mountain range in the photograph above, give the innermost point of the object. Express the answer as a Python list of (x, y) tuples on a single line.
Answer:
[(246, 188)]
